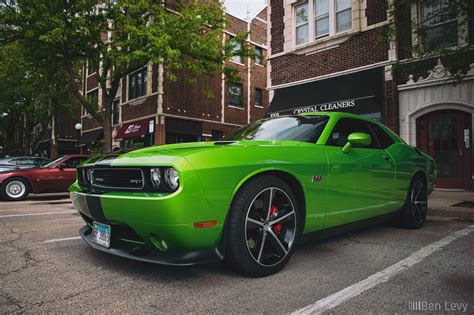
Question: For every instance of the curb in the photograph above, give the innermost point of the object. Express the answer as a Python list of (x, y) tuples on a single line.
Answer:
[(460, 213)]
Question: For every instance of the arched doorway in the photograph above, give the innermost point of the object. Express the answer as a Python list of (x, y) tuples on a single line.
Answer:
[(446, 136)]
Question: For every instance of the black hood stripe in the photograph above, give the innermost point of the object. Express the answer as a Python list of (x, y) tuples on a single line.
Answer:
[(106, 160), (95, 208)]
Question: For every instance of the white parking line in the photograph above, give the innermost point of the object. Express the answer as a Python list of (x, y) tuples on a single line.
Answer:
[(61, 239), (383, 276), (32, 214)]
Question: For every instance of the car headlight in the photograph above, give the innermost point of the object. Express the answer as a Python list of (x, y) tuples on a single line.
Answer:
[(155, 177), (171, 178)]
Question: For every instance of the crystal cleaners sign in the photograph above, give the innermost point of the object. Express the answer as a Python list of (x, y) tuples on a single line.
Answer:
[(344, 105)]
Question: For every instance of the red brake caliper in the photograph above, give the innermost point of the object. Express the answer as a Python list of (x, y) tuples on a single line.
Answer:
[(277, 227)]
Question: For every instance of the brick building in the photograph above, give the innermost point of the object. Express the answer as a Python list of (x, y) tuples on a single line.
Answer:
[(60, 138), (151, 110), (327, 55), (51, 140)]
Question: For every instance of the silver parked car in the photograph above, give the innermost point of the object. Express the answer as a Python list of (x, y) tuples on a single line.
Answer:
[(18, 162)]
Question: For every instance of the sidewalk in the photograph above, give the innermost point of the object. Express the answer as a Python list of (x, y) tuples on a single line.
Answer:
[(442, 204)]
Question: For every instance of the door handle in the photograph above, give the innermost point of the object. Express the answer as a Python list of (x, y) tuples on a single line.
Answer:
[(386, 157)]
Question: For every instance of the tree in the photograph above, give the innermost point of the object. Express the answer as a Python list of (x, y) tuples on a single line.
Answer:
[(120, 36), (29, 96), (436, 34)]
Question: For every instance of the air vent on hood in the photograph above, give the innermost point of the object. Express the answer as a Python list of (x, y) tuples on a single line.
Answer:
[(223, 142)]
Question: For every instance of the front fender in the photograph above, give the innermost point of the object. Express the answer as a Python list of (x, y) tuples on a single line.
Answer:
[(260, 171)]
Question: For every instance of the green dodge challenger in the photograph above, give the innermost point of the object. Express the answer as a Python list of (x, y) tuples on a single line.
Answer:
[(249, 198)]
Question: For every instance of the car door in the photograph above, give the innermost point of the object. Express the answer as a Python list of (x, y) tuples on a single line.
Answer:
[(67, 172), (361, 181)]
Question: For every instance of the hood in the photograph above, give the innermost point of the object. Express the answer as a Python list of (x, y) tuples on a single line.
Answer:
[(172, 153)]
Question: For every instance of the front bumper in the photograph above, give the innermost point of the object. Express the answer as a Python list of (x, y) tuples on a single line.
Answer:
[(140, 222), (146, 253)]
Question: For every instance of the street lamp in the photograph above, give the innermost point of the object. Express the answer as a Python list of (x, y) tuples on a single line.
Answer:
[(78, 127)]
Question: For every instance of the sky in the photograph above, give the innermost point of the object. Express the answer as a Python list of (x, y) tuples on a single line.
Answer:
[(239, 7)]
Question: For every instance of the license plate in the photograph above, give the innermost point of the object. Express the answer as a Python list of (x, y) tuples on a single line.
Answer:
[(101, 234)]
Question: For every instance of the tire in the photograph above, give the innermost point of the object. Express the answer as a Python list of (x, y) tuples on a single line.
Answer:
[(254, 221), (15, 189), (414, 212)]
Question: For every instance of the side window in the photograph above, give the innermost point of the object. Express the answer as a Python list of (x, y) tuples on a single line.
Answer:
[(345, 127), (40, 162), (74, 162), (12, 162), (384, 140), (25, 162)]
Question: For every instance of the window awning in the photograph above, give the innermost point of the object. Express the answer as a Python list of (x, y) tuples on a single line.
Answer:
[(358, 93), (91, 137), (134, 130)]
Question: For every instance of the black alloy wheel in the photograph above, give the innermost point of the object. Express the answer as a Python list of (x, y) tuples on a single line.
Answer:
[(263, 226)]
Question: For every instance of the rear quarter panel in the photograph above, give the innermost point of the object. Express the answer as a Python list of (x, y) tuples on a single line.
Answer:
[(408, 162)]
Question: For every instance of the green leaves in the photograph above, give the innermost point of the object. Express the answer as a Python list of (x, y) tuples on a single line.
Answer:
[(29, 93), (121, 36)]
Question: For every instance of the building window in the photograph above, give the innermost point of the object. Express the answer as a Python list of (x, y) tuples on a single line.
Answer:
[(137, 82), (116, 112), (301, 18), (259, 55), (236, 48), (343, 15), (93, 97), (236, 94), (259, 97), (321, 18), (91, 67), (439, 23)]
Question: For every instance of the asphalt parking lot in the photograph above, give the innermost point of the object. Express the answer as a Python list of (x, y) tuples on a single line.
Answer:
[(46, 267)]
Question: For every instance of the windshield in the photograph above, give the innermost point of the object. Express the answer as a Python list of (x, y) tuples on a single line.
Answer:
[(290, 128), (53, 162)]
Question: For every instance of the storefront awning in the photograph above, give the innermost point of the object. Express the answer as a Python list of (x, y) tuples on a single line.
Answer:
[(133, 130), (358, 93), (91, 137)]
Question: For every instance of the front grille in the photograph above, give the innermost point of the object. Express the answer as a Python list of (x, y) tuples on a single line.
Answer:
[(120, 178)]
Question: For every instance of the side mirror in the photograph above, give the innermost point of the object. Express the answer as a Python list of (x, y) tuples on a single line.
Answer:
[(62, 166), (356, 139)]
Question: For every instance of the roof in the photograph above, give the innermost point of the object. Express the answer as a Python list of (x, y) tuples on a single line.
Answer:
[(258, 13), (250, 17)]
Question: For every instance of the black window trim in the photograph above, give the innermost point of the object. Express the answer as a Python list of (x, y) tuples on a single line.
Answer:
[(241, 104), (371, 124), (372, 134), (119, 109), (259, 59), (144, 78), (261, 99)]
